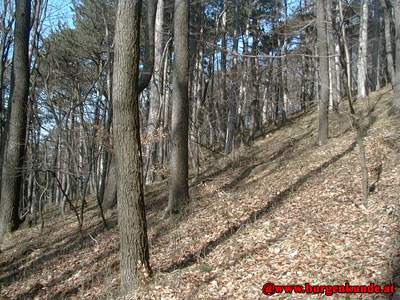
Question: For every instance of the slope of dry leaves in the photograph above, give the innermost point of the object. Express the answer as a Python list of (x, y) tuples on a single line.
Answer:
[(281, 210)]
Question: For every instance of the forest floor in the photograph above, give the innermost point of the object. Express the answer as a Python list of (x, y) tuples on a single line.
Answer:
[(282, 210)]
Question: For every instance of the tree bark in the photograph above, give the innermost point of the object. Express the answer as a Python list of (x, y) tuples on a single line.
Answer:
[(333, 86), (388, 41), (156, 86), (14, 153), (375, 82), (324, 73), (230, 132), (148, 64), (255, 86), (362, 52), (354, 120), (224, 94), (110, 185), (178, 184), (396, 8), (134, 249)]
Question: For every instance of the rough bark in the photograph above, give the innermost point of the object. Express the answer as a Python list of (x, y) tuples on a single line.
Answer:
[(324, 73), (178, 184), (134, 250), (14, 152)]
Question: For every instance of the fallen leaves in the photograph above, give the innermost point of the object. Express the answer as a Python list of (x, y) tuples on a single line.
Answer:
[(286, 217)]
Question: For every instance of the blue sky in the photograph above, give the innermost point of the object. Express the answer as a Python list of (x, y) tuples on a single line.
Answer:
[(58, 12)]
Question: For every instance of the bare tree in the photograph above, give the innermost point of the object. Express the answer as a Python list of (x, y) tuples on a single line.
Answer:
[(7, 19), (230, 131), (178, 185), (362, 51), (156, 86), (388, 41), (14, 152), (396, 8), (354, 118), (324, 73), (334, 88), (134, 250)]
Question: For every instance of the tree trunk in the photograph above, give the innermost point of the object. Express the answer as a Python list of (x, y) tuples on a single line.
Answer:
[(362, 52), (333, 86), (354, 120), (224, 94), (134, 249), (388, 41), (5, 45), (255, 91), (164, 112), (178, 184), (110, 185), (396, 8), (230, 132), (375, 82), (281, 109), (14, 153), (156, 86), (324, 73)]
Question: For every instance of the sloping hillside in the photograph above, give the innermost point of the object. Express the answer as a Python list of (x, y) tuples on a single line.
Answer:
[(281, 210)]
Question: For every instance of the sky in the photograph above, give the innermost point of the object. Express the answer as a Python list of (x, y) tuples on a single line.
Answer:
[(59, 12)]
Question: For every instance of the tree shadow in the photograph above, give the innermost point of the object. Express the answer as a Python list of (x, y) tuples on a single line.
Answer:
[(396, 280), (67, 246), (286, 148), (65, 293), (204, 176), (272, 205), (214, 276)]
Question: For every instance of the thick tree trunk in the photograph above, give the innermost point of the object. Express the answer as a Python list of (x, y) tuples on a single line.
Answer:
[(362, 52), (134, 249), (178, 184), (324, 73), (14, 153)]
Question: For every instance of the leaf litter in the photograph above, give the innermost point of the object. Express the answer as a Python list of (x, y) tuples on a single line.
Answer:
[(281, 210)]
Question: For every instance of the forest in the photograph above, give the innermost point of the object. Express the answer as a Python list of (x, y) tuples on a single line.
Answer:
[(199, 149)]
